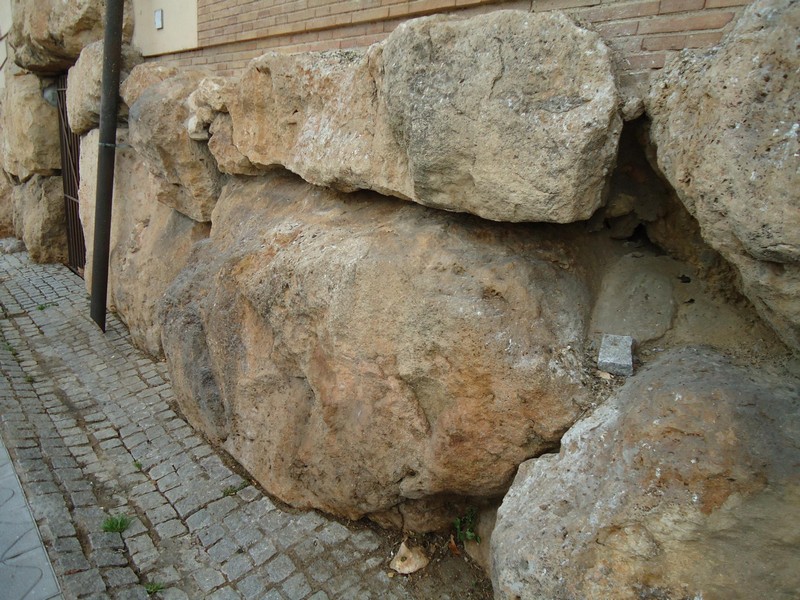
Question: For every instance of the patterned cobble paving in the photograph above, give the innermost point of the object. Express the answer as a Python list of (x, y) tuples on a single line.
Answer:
[(89, 423)]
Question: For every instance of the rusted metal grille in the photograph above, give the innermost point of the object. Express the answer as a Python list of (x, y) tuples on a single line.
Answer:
[(70, 173)]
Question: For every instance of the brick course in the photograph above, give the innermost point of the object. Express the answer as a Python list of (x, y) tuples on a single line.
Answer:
[(644, 33)]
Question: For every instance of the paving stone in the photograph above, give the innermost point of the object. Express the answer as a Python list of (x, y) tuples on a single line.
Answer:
[(247, 536), (131, 593), (173, 594), (211, 534), (308, 549), (170, 529), (198, 520), (167, 575), (251, 587), (616, 355), (344, 554), (67, 544), (110, 443), (222, 507), (105, 539), (322, 570), (279, 569), (207, 579), (226, 593), (365, 541), (84, 583), (236, 566), (140, 544), (120, 577), (249, 493), (161, 513), (262, 551), (105, 434), (223, 550), (108, 558), (83, 499), (334, 533), (296, 587)]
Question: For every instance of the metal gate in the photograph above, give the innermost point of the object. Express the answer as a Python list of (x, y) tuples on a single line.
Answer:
[(70, 173)]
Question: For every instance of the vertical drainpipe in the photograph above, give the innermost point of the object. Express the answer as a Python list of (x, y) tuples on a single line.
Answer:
[(112, 50)]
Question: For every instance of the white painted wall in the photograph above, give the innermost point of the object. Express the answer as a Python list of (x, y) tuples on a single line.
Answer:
[(180, 26)]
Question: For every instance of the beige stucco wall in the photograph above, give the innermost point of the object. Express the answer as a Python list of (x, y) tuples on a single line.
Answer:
[(5, 25), (180, 26)]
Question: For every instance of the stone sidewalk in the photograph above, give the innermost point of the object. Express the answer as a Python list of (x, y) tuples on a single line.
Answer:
[(90, 425)]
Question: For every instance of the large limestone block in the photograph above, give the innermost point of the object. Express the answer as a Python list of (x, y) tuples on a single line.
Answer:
[(683, 485), (85, 82), (511, 116), (150, 242), (319, 115), (725, 126), (157, 132), (366, 356), (48, 35), (40, 220), (29, 128)]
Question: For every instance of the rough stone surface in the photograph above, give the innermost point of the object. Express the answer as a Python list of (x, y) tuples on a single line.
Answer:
[(6, 205), (637, 298), (84, 86), (141, 77), (229, 159), (210, 98), (316, 333), (150, 242), (30, 128), (48, 35), (320, 116), (725, 126), (683, 485), (39, 218), (158, 134), (511, 116)]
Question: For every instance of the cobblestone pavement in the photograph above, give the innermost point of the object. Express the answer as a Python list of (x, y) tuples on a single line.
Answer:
[(90, 425)]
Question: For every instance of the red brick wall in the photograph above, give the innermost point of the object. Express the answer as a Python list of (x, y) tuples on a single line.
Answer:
[(645, 32)]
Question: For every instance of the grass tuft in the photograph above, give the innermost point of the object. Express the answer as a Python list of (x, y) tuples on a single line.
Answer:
[(116, 523)]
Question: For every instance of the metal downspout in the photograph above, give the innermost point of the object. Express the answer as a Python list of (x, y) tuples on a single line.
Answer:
[(112, 49)]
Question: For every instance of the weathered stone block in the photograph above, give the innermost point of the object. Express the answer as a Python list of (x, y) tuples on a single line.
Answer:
[(39, 218), (150, 242), (681, 485), (84, 86), (158, 133), (511, 116), (315, 333), (725, 125), (29, 127), (48, 35)]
